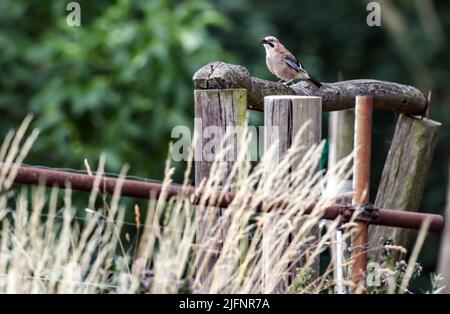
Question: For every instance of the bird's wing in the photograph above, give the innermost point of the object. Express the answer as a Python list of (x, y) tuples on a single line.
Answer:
[(291, 61), (293, 64)]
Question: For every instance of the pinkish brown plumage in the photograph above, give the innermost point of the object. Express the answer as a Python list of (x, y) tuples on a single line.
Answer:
[(283, 64)]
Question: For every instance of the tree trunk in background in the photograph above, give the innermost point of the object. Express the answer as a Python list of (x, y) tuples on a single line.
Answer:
[(404, 176)]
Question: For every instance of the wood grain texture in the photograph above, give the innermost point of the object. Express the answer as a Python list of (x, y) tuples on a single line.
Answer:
[(284, 116), (335, 96), (404, 175), (288, 114), (341, 128), (219, 109), (215, 110)]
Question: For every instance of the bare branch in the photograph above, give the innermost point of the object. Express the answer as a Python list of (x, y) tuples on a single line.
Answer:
[(335, 96)]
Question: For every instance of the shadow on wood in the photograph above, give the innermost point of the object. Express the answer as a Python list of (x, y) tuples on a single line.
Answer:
[(404, 176), (335, 96)]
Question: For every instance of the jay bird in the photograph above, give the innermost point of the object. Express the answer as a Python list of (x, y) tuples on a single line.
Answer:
[(283, 64)]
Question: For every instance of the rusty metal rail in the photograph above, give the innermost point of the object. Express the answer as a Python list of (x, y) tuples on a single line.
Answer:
[(146, 190), (361, 182)]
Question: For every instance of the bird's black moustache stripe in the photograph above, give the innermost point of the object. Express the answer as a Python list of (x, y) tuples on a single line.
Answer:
[(264, 41)]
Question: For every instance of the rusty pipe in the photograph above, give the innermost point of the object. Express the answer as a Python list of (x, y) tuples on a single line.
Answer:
[(361, 180), (146, 190)]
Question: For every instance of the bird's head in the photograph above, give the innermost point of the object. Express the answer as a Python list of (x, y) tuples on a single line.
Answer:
[(269, 42)]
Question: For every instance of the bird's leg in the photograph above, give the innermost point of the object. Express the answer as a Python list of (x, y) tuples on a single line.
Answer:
[(287, 83)]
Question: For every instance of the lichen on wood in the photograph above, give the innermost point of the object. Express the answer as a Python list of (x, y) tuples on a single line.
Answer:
[(335, 96), (404, 175)]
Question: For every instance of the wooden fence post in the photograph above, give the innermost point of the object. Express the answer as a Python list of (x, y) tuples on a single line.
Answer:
[(404, 176), (444, 252), (341, 130), (286, 115), (215, 110)]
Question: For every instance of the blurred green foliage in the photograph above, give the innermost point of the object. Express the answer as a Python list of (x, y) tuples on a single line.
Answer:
[(117, 84), (411, 47), (121, 81)]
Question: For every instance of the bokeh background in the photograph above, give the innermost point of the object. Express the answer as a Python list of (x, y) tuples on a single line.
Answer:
[(119, 83)]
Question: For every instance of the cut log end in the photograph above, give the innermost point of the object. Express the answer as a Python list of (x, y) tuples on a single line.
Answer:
[(335, 96)]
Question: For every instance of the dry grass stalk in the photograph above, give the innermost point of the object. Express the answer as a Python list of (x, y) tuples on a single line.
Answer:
[(45, 249)]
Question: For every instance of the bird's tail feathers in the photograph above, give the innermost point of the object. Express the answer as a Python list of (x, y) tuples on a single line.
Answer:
[(315, 82)]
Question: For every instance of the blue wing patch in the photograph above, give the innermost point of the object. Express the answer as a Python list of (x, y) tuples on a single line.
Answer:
[(294, 64)]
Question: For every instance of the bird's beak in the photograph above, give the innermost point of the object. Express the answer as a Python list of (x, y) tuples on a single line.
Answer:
[(263, 41)]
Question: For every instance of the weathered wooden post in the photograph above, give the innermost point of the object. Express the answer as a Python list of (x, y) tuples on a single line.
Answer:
[(215, 111), (283, 118), (341, 128), (444, 252), (404, 176), (335, 96)]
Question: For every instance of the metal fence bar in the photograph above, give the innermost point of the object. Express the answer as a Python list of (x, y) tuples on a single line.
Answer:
[(361, 181), (145, 190)]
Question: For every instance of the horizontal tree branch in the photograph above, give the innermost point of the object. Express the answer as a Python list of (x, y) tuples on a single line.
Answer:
[(335, 96)]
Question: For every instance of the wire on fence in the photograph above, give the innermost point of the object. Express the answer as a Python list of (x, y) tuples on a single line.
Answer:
[(152, 189)]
